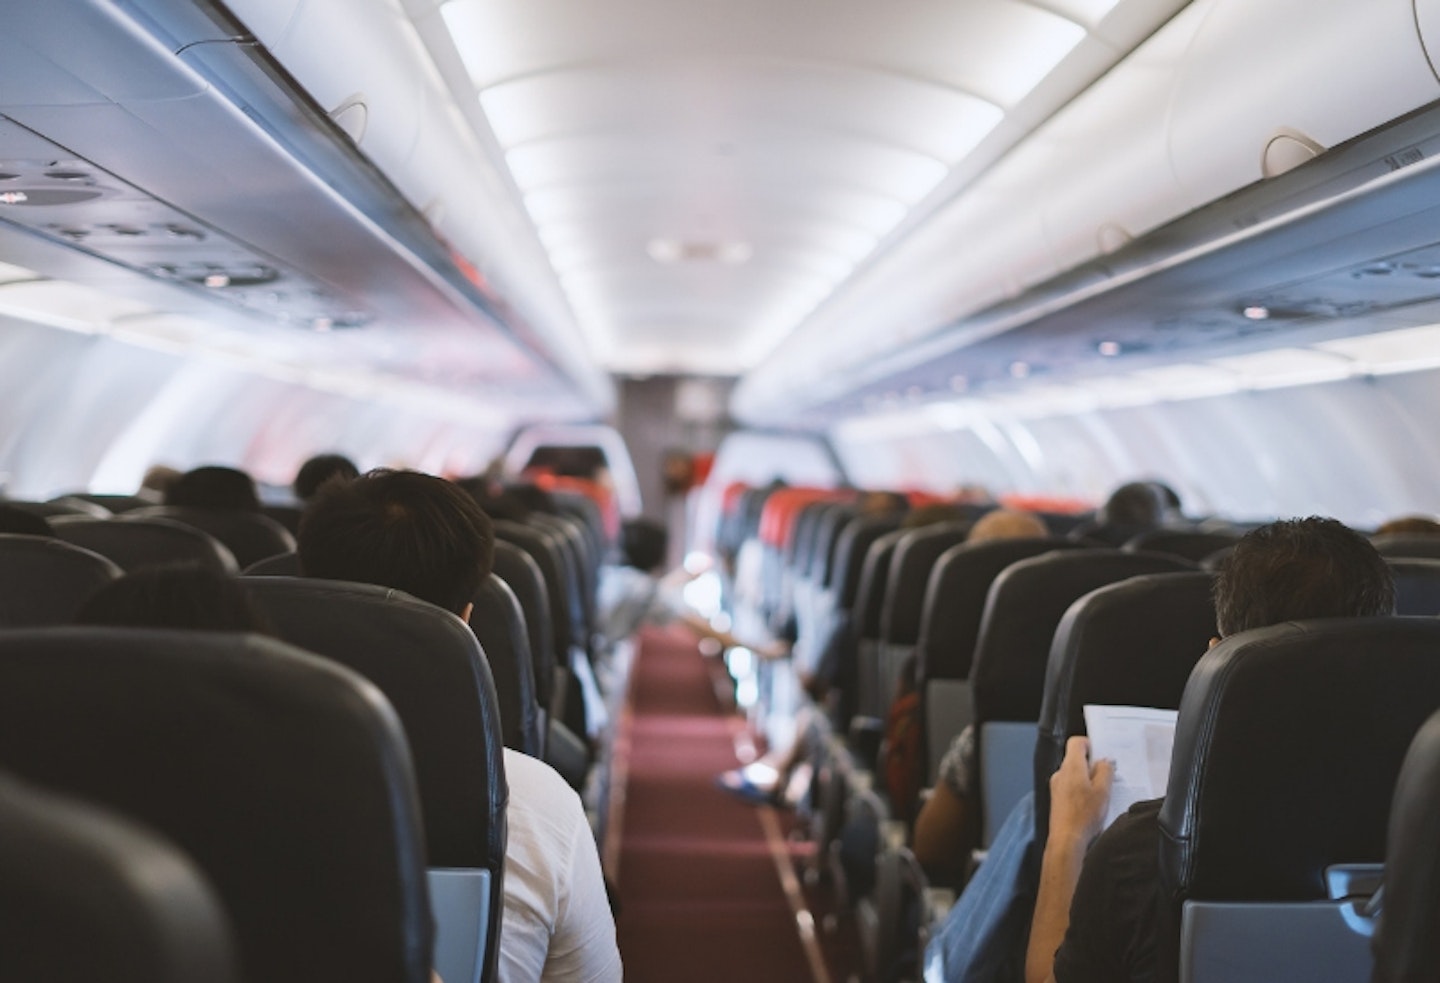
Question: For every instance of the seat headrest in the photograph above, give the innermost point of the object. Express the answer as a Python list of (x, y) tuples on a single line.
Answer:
[(1406, 945), (279, 565), (1191, 544), (45, 581), (1287, 750), (249, 535), (1417, 585), (522, 575), (135, 543), (1022, 611), (915, 556), (429, 666), (541, 546), (955, 601), (86, 895), (874, 576), (1407, 544), (284, 776), (851, 551)]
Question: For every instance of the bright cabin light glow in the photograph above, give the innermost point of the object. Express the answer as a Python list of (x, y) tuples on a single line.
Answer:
[(1109, 348), (217, 280), (1256, 313)]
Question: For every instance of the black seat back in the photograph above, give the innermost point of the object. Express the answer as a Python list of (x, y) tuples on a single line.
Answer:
[(1131, 643), (1406, 943), (543, 549), (827, 539), (850, 553), (1022, 611), (522, 575), (500, 628), (1407, 544), (114, 504), (284, 777), (955, 601), (279, 565), (1191, 544), (136, 543), (915, 557), (86, 895), (1287, 751), (65, 505), (44, 581), (874, 580), (249, 535), (1417, 585)]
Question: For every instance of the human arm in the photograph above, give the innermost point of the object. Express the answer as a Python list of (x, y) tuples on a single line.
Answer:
[(1079, 793)]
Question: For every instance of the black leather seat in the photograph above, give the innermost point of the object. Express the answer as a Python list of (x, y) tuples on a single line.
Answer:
[(861, 682), (139, 542), (1417, 585), (287, 515), (285, 778), (914, 558), (428, 664), (61, 506), (1132, 643), (249, 535), (44, 581), (1406, 944), (522, 575), (86, 895), (949, 625), (279, 565), (1007, 679), (499, 626), (1286, 755), (566, 704), (1407, 544), (1191, 544), (114, 504)]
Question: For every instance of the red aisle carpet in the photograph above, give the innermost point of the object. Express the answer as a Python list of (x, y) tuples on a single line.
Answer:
[(700, 896)]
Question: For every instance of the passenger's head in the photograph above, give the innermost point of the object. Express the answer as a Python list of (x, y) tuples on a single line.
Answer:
[(1410, 525), (1139, 504), (320, 469), (176, 596), (930, 515), (881, 503), (401, 529), (1301, 568), (1007, 524), (644, 543), (214, 487), (22, 523), (158, 479)]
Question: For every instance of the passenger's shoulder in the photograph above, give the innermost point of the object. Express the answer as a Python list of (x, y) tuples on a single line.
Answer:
[(533, 780)]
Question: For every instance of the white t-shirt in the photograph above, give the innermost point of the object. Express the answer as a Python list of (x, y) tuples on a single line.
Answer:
[(557, 926)]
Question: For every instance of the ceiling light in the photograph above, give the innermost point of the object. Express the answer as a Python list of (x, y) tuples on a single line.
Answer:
[(1256, 313), (1019, 370), (1109, 348), (217, 280)]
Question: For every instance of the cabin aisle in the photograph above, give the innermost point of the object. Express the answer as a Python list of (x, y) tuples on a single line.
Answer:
[(699, 889)]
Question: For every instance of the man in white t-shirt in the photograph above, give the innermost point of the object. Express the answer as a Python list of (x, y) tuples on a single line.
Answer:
[(427, 537)]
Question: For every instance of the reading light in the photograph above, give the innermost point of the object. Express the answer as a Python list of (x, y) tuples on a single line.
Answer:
[(1256, 313), (217, 280), (1109, 348), (1019, 370)]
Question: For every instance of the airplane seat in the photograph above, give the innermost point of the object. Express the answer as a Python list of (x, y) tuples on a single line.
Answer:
[(137, 542), (87, 895), (45, 581), (1131, 643), (287, 515), (1214, 560), (1407, 544), (1190, 544), (113, 504), (279, 565), (500, 628), (1007, 678), (65, 505), (249, 535), (1406, 945), (284, 777), (1417, 585), (522, 575), (915, 557), (949, 625), (1286, 755), (582, 570), (430, 667), (1061, 524), (859, 683)]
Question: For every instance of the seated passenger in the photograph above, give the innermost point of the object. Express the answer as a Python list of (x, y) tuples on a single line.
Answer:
[(427, 537), (320, 469), (1133, 508), (214, 487), (1409, 525), (1100, 909)]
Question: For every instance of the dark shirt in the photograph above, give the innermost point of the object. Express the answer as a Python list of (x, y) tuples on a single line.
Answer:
[(1114, 915)]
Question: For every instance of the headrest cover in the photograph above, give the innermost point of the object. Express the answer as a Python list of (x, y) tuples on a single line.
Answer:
[(1289, 743)]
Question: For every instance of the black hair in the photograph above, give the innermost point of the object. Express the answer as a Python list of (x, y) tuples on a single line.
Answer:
[(181, 595), (403, 529), (644, 543), (1139, 505), (320, 469), (214, 487), (1301, 568), (23, 523)]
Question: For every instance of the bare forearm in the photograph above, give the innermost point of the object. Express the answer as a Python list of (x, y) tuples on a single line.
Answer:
[(1059, 873)]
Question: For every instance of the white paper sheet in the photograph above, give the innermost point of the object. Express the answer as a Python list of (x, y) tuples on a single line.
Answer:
[(1138, 740)]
